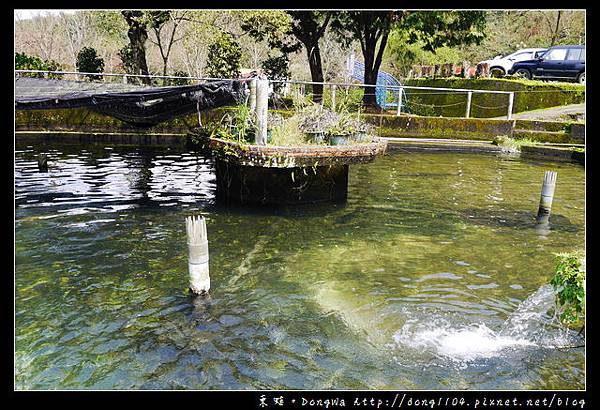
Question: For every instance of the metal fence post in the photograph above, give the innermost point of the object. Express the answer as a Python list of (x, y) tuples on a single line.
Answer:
[(400, 91), (511, 99), (469, 97)]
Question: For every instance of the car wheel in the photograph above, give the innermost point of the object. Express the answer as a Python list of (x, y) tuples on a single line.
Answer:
[(523, 73), (581, 78), (497, 72)]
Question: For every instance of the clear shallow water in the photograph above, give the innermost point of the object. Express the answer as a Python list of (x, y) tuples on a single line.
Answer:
[(428, 278)]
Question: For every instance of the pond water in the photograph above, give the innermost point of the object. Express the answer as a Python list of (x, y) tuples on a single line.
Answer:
[(431, 276)]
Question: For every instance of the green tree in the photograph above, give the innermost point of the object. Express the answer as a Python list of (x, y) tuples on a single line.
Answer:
[(89, 62), (400, 55), (224, 57), (277, 68), (509, 31), (308, 27), (289, 34), (433, 29)]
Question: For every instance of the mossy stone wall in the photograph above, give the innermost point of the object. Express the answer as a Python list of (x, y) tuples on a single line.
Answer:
[(529, 95), (434, 127), (83, 119)]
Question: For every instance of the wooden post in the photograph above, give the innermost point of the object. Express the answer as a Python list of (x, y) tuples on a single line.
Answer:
[(546, 197), (333, 87), (469, 97), (252, 98), (197, 241), (43, 162), (511, 100), (125, 79), (400, 92), (262, 106)]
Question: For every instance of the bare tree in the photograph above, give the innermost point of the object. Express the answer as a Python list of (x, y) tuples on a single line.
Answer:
[(38, 36), (76, 28), (554, 26), (164, 34)]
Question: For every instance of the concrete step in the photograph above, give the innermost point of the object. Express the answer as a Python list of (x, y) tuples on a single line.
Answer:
[(439, 144), (537, 125), (546, 136), (554, 153)]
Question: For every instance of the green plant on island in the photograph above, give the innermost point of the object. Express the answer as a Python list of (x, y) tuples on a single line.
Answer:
[(314, 119), (309, 125), (288, 133), (236, 125), (569, 286)]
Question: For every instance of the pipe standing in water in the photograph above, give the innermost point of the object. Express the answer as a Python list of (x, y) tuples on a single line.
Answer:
[(546, 197), (197, 241)]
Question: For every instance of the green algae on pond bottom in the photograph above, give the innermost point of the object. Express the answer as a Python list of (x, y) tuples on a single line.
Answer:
[(314, 297)]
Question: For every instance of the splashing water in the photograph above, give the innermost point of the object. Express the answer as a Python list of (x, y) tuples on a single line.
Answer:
[(530, 325), (464, 344), (530, 318)]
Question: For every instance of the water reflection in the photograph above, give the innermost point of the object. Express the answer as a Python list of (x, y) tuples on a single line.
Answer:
[(307, 297)]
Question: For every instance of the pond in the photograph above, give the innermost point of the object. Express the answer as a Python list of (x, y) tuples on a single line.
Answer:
[(431, 276)]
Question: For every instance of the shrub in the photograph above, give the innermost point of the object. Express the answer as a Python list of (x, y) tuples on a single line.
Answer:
[(277, 68), (224, 57), (178, 81), (569, 286), (415, 105), (512, 145), (127, 61), (27, 62), (89, 62)]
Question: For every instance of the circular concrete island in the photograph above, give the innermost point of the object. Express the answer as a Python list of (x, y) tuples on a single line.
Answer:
[(278, 175)]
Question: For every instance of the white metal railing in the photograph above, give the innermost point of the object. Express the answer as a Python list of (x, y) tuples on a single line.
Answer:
[(332, 85)]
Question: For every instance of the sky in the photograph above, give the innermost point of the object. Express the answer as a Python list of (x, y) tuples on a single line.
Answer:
[(31, 13)]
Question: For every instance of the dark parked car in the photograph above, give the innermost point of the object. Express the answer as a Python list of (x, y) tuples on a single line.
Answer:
[(558, 63)]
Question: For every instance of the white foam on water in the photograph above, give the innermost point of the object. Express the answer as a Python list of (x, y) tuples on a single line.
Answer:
[(529, 325), (462, 344)]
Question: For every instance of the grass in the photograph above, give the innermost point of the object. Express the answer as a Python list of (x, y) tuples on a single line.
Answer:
[(288, 133)]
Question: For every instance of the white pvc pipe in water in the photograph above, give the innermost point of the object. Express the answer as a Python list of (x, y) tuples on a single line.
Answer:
[(547, 196), (197, 241)]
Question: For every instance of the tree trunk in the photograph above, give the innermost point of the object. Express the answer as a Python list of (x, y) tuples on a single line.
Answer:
[(316, 70), (369, 98), (372, 63), (137, 39), (555, 33)]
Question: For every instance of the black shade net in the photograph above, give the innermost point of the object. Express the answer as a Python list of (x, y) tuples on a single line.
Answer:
[(142, 107)]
